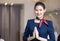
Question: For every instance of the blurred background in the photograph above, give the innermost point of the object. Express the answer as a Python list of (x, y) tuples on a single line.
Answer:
[(15, 13)]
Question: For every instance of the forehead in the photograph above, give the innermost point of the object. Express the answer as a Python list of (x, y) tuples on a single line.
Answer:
[(39, 7)]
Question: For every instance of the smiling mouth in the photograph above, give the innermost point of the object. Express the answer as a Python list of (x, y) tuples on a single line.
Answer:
[(39, 14)]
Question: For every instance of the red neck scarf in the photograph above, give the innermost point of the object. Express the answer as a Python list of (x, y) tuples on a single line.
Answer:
[(42, 21)]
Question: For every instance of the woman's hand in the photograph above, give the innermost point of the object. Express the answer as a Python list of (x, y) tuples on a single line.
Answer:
[(38, 37), (36, 32), (31, 37)]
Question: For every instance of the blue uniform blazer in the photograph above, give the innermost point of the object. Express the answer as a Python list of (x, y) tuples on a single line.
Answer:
[(44, 30)]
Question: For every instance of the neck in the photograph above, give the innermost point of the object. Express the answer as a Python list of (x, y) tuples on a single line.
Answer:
[(37, 21)]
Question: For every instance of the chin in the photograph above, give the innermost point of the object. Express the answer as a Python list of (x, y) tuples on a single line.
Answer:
[(39, 16)]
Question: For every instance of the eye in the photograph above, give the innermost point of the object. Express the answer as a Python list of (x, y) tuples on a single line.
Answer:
[(36, 10)]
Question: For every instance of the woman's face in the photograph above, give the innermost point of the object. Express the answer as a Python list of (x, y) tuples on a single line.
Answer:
[(39, 11)]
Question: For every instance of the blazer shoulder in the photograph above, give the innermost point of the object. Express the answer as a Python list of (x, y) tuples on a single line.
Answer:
[(50, 23), (30, 20)]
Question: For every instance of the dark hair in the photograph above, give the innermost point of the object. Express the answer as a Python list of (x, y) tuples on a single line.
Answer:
[(40, 3)]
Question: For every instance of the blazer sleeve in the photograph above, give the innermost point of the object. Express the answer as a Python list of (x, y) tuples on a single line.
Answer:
[(26, 32), (51, 32)]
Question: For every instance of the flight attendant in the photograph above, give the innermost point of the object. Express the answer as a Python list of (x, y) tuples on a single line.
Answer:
[(39, 28)]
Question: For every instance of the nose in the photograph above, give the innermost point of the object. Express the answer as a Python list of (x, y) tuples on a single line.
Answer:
[(39, 12)]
